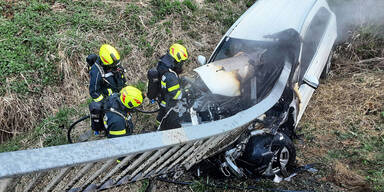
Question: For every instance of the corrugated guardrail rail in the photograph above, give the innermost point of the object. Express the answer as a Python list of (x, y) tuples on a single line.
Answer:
[(92, 166), (154, 157)]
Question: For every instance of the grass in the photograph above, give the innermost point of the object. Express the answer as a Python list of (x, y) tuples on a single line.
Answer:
[(12, 145), (52, 129), (163, 8), (44, 45), (36, 37), (349, 137), (50, 132), (144, 185), (29, 46), (26, 47), (141, 85)]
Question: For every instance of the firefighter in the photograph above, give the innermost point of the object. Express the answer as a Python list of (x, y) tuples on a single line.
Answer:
[(117, 107), (106, 77), (164, 85)]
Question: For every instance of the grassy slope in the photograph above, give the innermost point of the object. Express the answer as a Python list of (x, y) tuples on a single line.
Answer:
[(344, 125), (43, 78), (44, 45)]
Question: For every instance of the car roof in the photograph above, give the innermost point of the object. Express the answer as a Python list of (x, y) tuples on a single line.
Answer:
[(266, 17)]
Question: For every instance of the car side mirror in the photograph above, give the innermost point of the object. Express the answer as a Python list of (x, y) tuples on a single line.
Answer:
[(202, 60), (311, 81)]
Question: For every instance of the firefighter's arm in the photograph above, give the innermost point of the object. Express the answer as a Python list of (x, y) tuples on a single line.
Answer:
[(173, 87), (95, 85)]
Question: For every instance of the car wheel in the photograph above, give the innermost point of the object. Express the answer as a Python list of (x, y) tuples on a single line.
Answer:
[(260, 160), (327, 67), (284, 154)]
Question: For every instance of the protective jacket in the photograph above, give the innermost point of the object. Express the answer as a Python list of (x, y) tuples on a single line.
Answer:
[(117, 119), (170, 93), (170, 88), (104, 80)]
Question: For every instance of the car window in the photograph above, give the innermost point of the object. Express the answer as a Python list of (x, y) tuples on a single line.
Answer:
[(231, 46), (313, 37)]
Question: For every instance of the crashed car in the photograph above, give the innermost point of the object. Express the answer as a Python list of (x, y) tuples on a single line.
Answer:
[(275, 43)]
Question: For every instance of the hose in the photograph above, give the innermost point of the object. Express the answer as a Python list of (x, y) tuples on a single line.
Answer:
[(73, 124)]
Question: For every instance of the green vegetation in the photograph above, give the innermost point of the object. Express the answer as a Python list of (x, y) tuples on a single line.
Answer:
[(12, 145), (29, 39), (163, 8), (52, 129), (22, 51), (225, 15), (200, 186), (141, 85), (144, 185), (31, 32), (44, 43), (368, 157)]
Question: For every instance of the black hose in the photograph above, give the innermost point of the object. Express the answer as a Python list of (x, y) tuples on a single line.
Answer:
[(73, 125), (225, 186)]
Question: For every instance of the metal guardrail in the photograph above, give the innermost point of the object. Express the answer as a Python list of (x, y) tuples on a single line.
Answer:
[(91, 166), (89, 170)]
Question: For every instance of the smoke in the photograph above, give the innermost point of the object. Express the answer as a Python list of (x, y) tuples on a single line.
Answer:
[(355, 13)]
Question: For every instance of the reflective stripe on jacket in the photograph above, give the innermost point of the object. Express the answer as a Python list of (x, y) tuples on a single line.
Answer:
[(117, 120), (104, 84), (170, 89)]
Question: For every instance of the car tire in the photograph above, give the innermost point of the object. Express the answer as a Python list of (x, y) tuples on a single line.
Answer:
[(327, 67), (256, 153), (285, 152)]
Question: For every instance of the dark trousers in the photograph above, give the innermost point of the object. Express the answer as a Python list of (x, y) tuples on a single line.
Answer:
[(167, 120)]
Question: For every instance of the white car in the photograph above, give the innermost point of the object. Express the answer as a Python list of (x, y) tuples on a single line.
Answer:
[(276, 51)]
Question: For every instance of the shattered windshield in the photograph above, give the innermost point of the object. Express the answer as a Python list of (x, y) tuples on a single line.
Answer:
[(244, 68), (231, 46)]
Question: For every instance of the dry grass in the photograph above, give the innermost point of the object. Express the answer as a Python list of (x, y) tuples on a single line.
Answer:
[(343, 120), (344, 176)]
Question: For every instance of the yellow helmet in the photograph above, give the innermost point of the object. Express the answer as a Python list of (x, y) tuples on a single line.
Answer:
[(131, 97), (178, 52), (109, 55)]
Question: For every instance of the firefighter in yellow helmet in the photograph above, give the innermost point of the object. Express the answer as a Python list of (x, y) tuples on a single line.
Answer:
[(117, 107), (106, 77), (164, 85), (106, 74)]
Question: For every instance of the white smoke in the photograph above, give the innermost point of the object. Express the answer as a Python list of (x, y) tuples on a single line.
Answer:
[(352, 13)]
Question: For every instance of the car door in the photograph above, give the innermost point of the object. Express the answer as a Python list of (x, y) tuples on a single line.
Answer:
[(314, 50), (318, 40)]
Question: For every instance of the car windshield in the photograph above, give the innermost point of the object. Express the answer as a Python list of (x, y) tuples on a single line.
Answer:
[(231, 46), (263, 59)]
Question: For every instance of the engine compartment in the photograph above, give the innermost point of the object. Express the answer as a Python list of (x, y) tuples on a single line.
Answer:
[(236, 82)]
